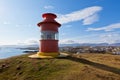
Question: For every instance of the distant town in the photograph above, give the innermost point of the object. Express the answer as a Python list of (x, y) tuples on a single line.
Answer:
[(91, 49)]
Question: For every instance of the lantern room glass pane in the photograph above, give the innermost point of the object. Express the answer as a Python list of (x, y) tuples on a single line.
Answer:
[(49, 35)]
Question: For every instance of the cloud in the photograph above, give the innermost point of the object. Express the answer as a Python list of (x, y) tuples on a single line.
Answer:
[(23, 25), (6, 22), (67, 41), (48, 7), (110, 27), (29, 42), (90, 20), (112, 37), (68, 26), (32, 42), (3, 10), (87, 15), (107, 37), (63, 34)]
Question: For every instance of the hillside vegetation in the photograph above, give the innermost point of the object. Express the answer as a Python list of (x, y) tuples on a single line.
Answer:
[(75, 67)]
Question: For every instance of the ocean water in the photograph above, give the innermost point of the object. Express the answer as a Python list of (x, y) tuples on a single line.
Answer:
[(6, 52)]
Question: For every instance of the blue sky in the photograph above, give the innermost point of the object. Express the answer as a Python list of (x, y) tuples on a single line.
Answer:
[(83, 21)]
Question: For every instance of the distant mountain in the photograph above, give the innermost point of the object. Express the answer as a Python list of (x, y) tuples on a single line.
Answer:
[(90, 44), (115, 44)]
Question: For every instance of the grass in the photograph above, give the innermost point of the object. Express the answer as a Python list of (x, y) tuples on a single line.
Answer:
[(74, 67)]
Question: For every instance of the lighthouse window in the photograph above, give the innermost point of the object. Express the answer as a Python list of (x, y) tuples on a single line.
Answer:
[(56, 36), (49, 35)]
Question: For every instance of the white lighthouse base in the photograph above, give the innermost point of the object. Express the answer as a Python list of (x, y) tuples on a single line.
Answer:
[(43, 56)]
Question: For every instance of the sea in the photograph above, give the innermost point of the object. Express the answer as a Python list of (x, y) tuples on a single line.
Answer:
[(6, 52)]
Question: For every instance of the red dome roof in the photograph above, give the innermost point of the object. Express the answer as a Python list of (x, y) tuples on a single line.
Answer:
[(49, 15)]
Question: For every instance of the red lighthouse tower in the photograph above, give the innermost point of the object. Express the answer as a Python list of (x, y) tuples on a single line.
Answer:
[(49, 36)]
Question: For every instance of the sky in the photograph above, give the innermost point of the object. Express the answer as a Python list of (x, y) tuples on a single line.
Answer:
[(83, 21)]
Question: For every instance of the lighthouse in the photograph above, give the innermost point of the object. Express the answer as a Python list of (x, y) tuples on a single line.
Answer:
[(48, 47), (49, 36)]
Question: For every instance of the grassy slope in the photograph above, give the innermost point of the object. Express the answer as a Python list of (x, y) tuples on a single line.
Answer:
[(76, 67)]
